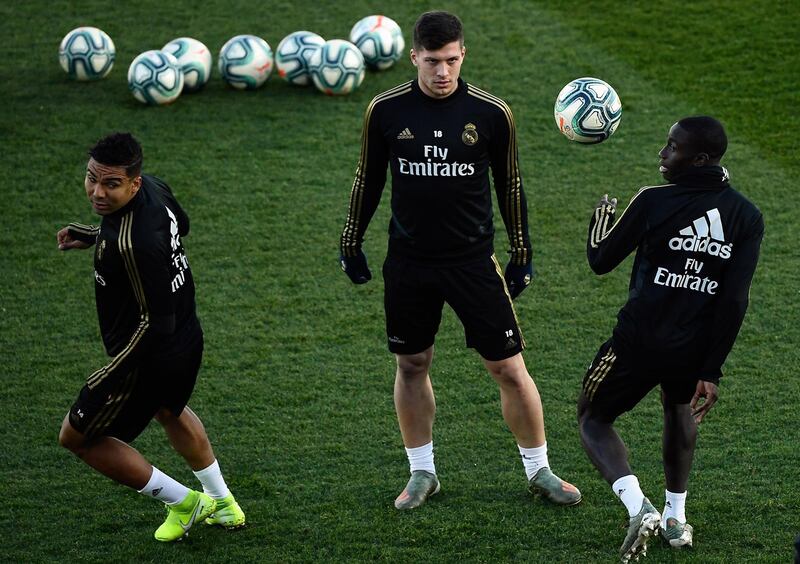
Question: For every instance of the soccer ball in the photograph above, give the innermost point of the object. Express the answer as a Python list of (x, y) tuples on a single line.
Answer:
[(337, 67), (155, 77), (245, 62), (86, 53), (380, 40), (588, 110), (293, 54), (194, 59)]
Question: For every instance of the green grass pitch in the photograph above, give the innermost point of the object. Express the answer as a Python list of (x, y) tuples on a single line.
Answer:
[(296, 389)]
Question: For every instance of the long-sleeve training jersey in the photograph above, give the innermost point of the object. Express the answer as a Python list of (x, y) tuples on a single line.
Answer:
[(144, 288), (697, 243), (439, 152)]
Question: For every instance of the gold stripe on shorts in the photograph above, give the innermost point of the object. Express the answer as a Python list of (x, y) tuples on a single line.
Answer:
[(499, 271), (599, 373), (113, 407)]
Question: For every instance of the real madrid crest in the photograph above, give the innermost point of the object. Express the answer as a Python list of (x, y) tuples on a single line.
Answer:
[(101, 247), (470, 135)]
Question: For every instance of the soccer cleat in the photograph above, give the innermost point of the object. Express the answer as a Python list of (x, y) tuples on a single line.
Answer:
[(642, 526), (227, 514), (677, 534), (182, 516), (420, 487), (553, 488)]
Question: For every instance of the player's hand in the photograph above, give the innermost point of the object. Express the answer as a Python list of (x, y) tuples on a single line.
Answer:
[(708, 392), (604, 201), (518, 278), (356, 268), (66, 242)]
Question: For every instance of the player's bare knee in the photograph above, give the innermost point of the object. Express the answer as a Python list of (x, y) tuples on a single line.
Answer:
[(509, 375), (71, 439), (164, 416), (413, 366)]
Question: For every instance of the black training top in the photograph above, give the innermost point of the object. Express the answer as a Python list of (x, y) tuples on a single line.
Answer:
[(143, 284), (440, 152), (697, 243)]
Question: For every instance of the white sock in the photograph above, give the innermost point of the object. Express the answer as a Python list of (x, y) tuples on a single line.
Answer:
[(534, 459), (421, 458), (674, 506), (628, 491), (212, 480), (164, 488)]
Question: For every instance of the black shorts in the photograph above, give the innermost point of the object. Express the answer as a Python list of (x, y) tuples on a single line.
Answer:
[(616, 382), (415, 295), (124, 407)]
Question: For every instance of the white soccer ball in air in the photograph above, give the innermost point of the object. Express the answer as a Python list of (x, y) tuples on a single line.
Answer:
[(245, 62), (86, 53), (337, 67), (155, 77), (293, 54), (587, 110), (380, 40), (195, 61)]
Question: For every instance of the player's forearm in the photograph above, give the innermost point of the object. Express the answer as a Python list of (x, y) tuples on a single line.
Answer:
[(364, 200), (514, 212), (84, 233)]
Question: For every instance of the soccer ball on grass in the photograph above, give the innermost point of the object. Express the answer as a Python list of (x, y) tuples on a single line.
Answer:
[(337, 67), (194, 59), (293, 54), (245, 62), (86, 53), (155, 77)]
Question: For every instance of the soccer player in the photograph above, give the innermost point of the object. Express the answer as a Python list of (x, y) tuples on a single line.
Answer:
[(440, 136), (145, 303), (697, 242)]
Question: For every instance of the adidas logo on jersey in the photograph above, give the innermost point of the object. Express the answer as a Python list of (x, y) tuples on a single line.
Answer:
[(405, 134), (704, 235)]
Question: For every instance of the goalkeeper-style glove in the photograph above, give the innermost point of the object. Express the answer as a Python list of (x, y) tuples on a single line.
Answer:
[(518, 278), (356, 268)]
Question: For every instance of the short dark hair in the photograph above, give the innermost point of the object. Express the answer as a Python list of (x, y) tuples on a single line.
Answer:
[(708, 135), (119, 149), (434, 30)]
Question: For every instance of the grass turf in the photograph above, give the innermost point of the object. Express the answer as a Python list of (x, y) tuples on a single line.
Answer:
[(296, 386)]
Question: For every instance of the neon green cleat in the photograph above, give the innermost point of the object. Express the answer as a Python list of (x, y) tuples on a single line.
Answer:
[(227, 514), (677, 534), (181, 516)]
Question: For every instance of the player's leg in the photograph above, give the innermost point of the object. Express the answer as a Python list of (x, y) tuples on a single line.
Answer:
[(98, 428), (414, 401), (611, 387), (522, 412), (478, 294), (679, 441), (413, 312), (188, 437), (107, 455), (601, 442), (415, 405), (519, 399)]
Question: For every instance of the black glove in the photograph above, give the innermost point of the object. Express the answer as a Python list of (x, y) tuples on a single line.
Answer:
[(356, 268), (518, 278)]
